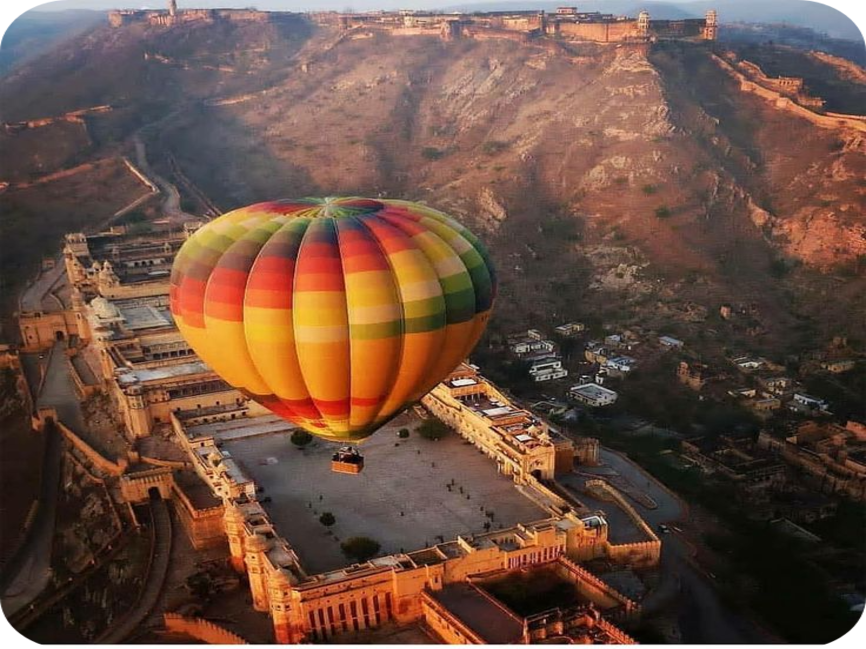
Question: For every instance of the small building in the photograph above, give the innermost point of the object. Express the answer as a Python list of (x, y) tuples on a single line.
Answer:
[(593, 395), (670, 342), (570, 329), (595, 352), (547, 369), (530, 345), (808, 402), (748, 363), (765, 404), (777, 385), (613, 340), (692, 375), (839, 366), (620, 364)]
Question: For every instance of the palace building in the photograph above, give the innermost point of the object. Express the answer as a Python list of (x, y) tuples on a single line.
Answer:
[(116, 304)]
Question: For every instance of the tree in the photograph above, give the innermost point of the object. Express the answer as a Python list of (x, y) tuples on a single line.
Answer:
[(432, 429), (327, 519), (403, 433), (301, 438), (360, 548)]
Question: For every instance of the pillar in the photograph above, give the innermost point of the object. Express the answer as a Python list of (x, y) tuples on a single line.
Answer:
[(234, 526)]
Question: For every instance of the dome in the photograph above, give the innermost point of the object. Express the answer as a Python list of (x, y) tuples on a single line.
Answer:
[(104, 309)]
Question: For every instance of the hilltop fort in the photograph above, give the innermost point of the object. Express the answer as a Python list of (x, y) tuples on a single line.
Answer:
[(567, 23)]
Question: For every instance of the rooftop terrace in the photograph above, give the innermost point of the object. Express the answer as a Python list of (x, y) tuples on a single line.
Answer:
[(162, 373)]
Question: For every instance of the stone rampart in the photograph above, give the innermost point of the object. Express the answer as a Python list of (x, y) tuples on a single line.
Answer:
[(200, 629)]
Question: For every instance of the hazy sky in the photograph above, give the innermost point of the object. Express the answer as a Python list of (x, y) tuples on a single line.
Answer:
[(286, 5)]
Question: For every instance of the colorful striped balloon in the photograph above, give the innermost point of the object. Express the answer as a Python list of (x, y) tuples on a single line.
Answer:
[(334, 313)]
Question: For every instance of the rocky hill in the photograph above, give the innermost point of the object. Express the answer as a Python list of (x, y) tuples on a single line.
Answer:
[(610, 182)]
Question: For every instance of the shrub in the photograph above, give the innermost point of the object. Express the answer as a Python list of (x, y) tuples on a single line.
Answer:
[(432, 153), (492, 147), (360, 548), (301, 438), (649, 190), (327, 519), (663, 212)]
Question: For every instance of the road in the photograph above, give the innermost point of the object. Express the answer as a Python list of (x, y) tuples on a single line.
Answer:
[(152, 588), (58, 390), (34, 558), (171, 204), (34, 294), (703, 618)]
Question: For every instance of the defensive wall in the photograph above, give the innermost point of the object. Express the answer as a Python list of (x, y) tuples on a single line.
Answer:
[(835, 121), (643, 553), (202, 630)]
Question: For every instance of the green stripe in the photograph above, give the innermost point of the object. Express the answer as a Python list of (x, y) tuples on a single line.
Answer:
[(376, 331), (424, 324)]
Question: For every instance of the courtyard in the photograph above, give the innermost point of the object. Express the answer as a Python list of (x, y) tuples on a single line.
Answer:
[(402, 498)]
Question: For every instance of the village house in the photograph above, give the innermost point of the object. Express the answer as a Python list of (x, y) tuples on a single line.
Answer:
[(547, 369), (570, 329), (670, 342), (593, 395)]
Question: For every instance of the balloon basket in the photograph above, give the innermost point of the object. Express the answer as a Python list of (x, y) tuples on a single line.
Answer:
[(347, 460)]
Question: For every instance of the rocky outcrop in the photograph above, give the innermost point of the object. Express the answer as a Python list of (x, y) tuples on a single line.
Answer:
[(492, 211), (846, 69)]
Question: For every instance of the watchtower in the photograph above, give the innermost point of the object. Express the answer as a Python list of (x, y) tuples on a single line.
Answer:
[(711, 26), (172, 8), (643, 23)]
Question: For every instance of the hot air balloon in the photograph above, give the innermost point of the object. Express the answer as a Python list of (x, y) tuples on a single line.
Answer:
[(334, 313)]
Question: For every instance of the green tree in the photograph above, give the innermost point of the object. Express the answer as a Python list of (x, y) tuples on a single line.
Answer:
[(432, 153), (432, 429), (403, 433), (327, 519), (301, 438), (360, 548)]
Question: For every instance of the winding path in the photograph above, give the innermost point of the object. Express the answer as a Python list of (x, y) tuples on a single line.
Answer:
[(154, 580)]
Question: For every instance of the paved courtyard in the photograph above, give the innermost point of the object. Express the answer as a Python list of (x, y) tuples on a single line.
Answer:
[(400, 499)]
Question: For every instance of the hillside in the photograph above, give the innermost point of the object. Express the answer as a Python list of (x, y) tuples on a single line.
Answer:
[(610, 183), (38, 31)]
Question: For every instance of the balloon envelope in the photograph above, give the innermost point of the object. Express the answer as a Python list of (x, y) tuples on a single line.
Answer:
[(334, 313)]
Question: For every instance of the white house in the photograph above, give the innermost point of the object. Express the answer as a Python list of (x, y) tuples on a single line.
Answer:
[(593, 395), (570, 329), (547, 369), (809, 402), (749, 363), (530, 345), (621, 364), (668, 341)]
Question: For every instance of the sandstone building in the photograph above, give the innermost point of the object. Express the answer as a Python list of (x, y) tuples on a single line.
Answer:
[(116, 285)]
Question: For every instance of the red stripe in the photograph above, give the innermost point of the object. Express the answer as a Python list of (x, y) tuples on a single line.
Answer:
[(333, 408), (373, 401)]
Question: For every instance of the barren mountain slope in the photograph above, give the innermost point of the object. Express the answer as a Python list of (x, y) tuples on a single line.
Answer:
[(582, 165), (610, 182)]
